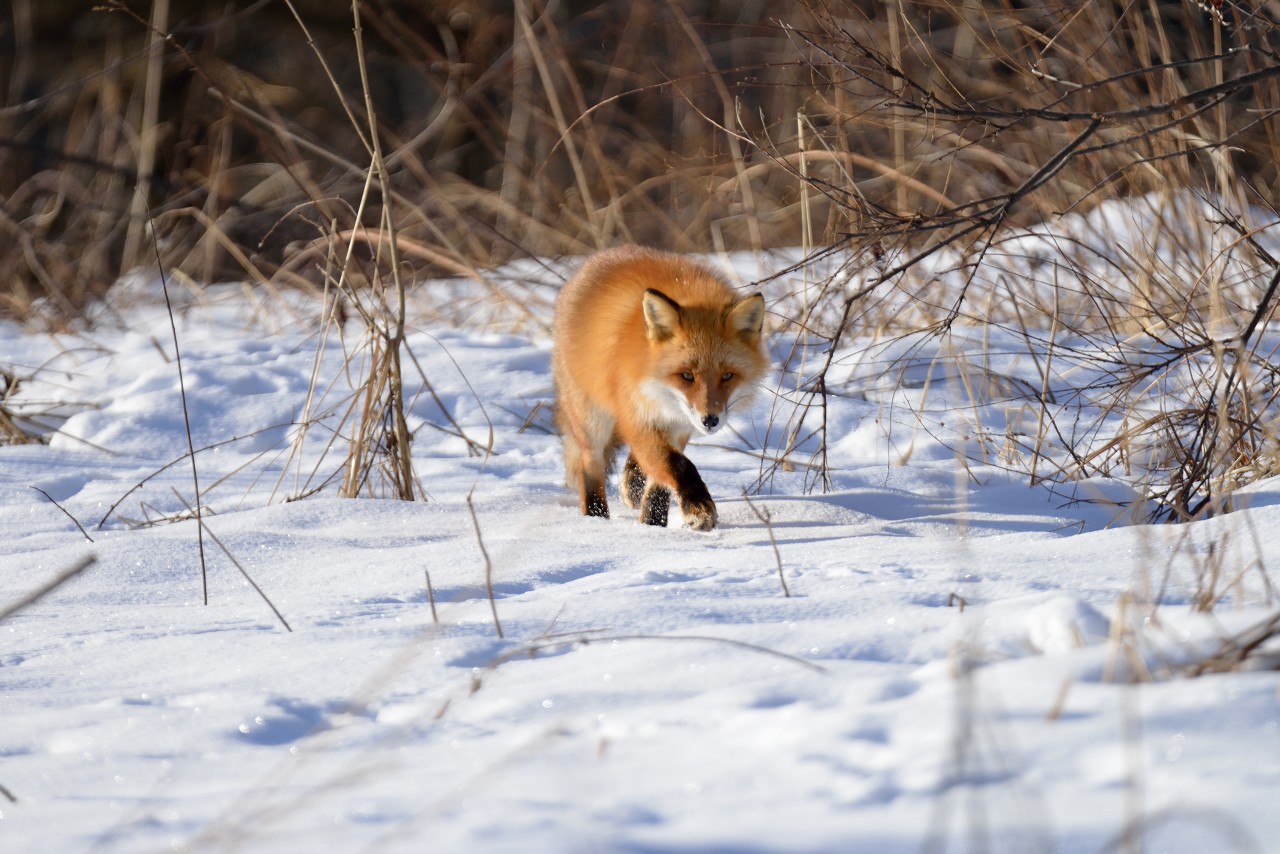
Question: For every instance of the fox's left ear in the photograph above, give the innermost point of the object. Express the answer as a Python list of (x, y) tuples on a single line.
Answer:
[(661, 315), (747, 316)]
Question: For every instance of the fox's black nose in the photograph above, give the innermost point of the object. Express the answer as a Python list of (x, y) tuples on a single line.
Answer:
[(710, 421)]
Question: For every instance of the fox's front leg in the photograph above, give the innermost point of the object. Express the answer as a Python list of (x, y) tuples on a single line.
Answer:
[(669, 469), (696, 506), (651, 499)]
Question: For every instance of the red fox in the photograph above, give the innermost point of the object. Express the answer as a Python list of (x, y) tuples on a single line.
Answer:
[(650, 348)]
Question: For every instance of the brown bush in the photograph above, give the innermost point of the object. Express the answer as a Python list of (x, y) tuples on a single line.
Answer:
[(524, 128)]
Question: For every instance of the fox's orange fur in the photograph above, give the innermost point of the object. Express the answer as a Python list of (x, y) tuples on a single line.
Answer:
[(649, 349)]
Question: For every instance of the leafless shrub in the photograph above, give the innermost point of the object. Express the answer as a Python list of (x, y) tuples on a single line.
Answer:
[(952, 147), (13, 429)]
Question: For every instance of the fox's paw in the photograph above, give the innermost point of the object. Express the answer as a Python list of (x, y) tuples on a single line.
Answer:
[(699, 515), (654, 505)]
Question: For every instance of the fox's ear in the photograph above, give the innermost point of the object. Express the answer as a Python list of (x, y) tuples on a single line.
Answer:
[(661, 315), (746, 317)]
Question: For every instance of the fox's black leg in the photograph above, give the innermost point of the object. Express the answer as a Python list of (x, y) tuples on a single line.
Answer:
[(696, 506), (668, 470), (594, 502), (655, 505)]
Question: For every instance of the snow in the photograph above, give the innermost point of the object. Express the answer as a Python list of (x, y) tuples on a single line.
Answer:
[(954, 669)]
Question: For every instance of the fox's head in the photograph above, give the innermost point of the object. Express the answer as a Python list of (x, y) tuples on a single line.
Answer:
[(706, 358)]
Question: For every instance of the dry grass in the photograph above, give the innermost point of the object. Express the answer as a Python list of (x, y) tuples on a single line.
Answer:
[(918, 142), (507, 130), (944, 136)]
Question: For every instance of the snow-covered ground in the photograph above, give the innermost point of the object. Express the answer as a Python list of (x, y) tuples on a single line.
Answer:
[(954, 669)]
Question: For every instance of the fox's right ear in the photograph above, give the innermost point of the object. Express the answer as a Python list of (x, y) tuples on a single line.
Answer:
[(661, 315), (746, 317)]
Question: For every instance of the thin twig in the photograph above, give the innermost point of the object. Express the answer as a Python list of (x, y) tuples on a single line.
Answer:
[(246, 575), (186, 414), (431, 598), (786, 656), (174, 462), (48, 587), (64, 512), (488, 567), (766, 518), (226, 551), (598, 636)]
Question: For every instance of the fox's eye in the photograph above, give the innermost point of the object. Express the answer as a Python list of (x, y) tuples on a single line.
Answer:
[(687, 376), (728, 375)]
